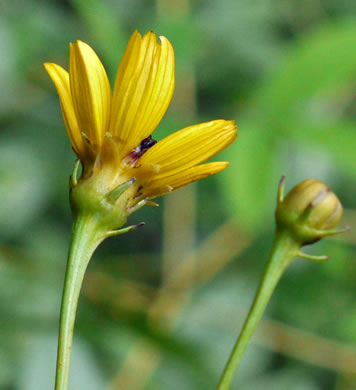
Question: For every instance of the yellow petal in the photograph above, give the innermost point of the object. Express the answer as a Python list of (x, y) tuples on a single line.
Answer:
[(60, 79), (189, 147), (143, 89), (91, 92), (159, 187)]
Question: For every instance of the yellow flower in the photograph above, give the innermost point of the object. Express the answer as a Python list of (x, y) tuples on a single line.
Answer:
[(111, 132)]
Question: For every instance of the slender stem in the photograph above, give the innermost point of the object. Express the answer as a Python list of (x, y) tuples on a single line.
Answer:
[(85, 239), (284, 250)]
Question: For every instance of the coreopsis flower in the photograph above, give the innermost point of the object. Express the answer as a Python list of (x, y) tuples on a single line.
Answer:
[(111, 132)]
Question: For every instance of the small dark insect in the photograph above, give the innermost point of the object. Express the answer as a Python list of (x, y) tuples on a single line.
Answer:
[(143, 147)]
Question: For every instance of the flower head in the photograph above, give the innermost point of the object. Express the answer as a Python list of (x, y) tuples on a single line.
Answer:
[(310, 211), (111, 132)]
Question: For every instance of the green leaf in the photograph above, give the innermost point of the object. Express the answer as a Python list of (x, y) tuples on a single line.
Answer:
[(321, 63), (338, 140)]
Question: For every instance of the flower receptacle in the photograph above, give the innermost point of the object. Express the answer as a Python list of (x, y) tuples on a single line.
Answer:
[(108, 206)]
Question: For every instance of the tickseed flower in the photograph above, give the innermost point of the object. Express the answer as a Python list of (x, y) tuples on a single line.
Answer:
[(123, 167)]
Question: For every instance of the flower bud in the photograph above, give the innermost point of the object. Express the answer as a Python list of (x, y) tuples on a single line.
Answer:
[(310, 211)]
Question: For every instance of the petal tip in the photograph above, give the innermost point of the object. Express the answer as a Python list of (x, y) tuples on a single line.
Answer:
[(136, 34), (150, 35), (162, 39), (230, 125), (224, 164), (78, 45)]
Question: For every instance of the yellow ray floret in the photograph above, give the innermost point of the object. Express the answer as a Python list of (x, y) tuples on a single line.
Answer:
[(159, 187), (143, 89), (177, 157), (190, 146), (111, 132), (60, 79), (91, 92)]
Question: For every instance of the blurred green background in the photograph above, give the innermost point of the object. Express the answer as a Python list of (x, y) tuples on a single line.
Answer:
[(161, 307)]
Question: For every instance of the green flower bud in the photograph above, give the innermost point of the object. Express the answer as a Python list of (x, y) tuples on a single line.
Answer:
[(310, 211)]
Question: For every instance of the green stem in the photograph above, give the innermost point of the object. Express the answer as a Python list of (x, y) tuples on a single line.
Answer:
[(284, 250), (85, 239)]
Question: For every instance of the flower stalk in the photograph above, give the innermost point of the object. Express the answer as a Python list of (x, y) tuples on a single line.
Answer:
[(85, 239), (283, 251)]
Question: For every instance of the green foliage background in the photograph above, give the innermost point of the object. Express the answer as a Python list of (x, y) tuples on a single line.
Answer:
[(285, 71)]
